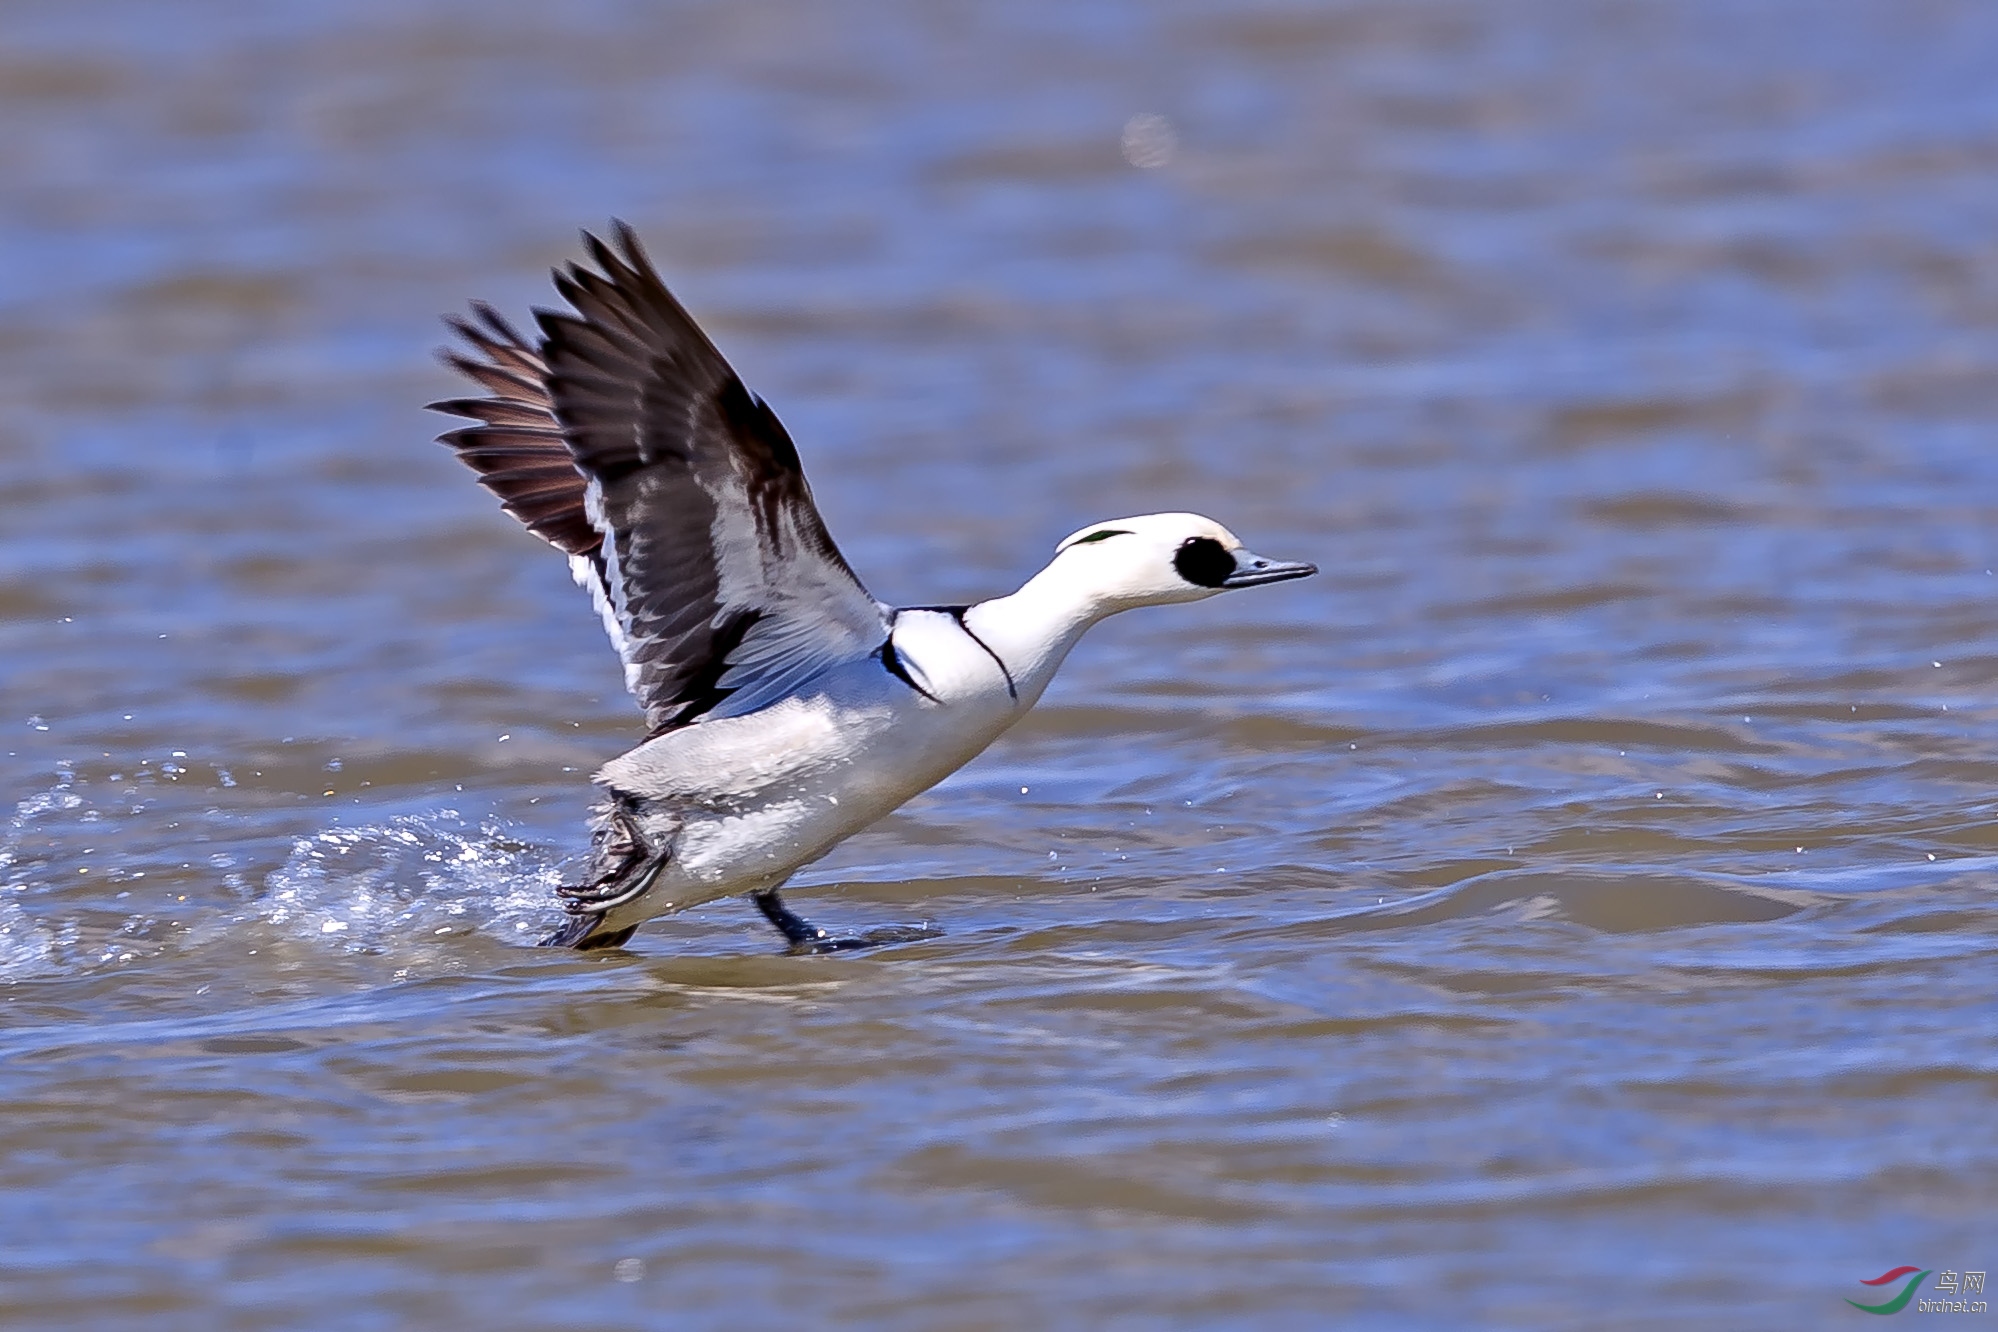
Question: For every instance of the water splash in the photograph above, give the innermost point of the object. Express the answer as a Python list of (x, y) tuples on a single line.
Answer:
[(90, 880), (415, 876), (28, 945)]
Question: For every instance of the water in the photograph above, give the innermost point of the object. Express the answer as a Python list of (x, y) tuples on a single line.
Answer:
[(1574, 907)]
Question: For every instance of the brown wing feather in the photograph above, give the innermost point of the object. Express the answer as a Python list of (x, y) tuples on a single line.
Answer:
[(517, 448)]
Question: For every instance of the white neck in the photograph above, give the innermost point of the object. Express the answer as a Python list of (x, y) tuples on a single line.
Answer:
[(1033, 629)]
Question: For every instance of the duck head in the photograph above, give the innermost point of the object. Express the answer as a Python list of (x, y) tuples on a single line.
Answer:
[(1158, 559)]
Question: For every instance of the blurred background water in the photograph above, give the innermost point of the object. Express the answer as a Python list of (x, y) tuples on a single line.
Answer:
[(1573, 909)]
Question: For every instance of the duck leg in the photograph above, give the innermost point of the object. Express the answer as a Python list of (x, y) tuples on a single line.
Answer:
[(628, 869), (805, 937), (627, 864), (797, 931)]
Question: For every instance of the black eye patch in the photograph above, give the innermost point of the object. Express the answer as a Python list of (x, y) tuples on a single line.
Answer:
[(1203, 562), (1103, 534)]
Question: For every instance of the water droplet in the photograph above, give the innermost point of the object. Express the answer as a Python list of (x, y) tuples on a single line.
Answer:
[(1149, 141)]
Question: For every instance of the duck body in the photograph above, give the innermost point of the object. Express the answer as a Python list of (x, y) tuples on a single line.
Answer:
[(788, 708), (740, 804)]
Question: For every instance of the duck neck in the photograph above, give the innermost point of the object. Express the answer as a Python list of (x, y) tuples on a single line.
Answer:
[(1032, 630)]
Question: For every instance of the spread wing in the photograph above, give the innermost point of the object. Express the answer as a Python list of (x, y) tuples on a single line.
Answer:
[(683, 508)]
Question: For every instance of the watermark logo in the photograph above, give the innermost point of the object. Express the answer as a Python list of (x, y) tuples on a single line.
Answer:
[(1899, 1302), (1948, 1283)]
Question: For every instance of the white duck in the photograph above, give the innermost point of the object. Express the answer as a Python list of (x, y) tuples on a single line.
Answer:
[(788, 708)]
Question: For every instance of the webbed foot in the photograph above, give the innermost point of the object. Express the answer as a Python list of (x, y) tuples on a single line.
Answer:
[(602, 895), (579, 932), (612, 890), (589, 903)]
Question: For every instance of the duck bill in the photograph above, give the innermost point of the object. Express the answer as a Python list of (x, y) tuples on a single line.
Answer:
[(1253, 570)]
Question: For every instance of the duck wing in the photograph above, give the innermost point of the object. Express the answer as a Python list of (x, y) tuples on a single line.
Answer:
[(684, 508)]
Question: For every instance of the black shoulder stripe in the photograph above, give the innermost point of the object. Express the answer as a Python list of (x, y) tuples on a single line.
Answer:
[(892, 660), (957, 613)]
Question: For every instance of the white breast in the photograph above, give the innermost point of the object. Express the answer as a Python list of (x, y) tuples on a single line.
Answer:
[(749, 799)]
